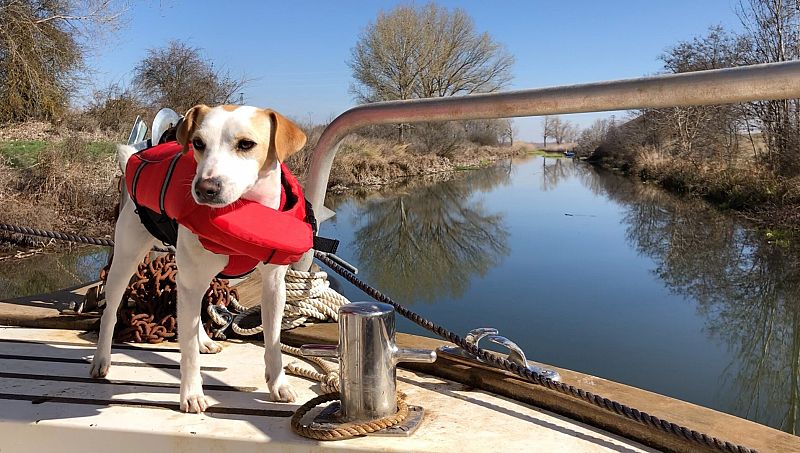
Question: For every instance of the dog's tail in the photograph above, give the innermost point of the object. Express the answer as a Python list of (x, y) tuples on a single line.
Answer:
[(124, 152)]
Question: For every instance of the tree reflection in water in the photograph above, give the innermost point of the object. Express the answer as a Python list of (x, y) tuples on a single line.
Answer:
[(429, 243), (46, 273), (747, 288)]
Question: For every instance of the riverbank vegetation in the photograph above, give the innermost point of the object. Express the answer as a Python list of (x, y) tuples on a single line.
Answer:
[(744, 157), (57, 165)]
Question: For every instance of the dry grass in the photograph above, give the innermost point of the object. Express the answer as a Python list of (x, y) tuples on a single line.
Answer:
[(362, 161), (45, 131), (745, 186), (67, 188), (71, 185)]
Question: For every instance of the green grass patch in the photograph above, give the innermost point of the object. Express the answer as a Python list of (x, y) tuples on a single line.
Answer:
[(544, 153), (24, 153), (21, 153), (466, 167), (779, 237), (101, 149)]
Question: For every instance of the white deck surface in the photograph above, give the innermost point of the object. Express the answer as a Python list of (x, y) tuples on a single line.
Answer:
[(49, 403)]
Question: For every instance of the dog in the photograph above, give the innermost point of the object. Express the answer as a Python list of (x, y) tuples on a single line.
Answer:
[(238, 150)]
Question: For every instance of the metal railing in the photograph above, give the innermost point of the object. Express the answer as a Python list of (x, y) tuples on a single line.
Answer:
[(722, 86)]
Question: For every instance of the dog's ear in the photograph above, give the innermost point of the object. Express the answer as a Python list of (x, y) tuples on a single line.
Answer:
[(286, 137), (189, 122)]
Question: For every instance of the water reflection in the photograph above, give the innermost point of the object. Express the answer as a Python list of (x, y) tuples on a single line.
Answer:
[(747, 289), (46, 273), (556, 170), (430, 242)]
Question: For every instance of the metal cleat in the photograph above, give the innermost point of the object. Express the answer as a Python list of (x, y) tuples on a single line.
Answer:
[(516, 355), (472, 337), (368, 358)]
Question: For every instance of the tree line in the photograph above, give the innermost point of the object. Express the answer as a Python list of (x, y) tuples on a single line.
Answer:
[(43, 49), (409, 52), (764, 134)]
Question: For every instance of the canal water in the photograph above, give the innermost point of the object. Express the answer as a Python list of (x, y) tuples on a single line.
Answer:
[(582, 268)]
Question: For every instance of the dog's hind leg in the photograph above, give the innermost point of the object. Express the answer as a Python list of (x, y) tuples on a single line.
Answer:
[(132, 241), (196, 267), (273, 298)]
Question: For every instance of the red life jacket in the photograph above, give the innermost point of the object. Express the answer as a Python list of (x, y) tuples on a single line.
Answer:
[(159, 180)]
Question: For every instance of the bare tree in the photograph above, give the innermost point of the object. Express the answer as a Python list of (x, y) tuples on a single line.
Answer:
[(179, 77), (565, 132), (547, 129), (417, 52), (42, 46), (508, 131), (113, 108), (772, 28), (594, 135), (702, 132), (562, 131)]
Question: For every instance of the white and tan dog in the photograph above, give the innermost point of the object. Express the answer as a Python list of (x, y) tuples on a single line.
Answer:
[(238, 150)]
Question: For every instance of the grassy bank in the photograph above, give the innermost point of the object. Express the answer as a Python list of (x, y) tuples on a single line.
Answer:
[(71, 184), (68, 185), (769, 200), (367, 162)]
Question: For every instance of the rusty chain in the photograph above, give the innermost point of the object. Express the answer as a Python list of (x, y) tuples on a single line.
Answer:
[(148, 313)]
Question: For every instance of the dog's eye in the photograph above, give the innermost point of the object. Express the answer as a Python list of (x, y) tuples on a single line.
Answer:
[(245, 145), (198, 144)]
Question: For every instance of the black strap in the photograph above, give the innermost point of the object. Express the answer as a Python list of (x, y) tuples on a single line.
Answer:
[(326, 245), (310, 218), (322, 244)]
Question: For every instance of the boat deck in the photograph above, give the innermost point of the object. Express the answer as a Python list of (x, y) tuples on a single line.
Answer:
[(49, 403)]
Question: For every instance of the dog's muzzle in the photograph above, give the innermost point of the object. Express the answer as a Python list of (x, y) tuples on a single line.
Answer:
[(208, 190)]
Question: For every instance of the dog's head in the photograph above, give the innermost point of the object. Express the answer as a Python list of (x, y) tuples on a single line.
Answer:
[(234, 146)]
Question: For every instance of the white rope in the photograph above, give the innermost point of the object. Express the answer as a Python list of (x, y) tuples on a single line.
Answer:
[(309, 298)]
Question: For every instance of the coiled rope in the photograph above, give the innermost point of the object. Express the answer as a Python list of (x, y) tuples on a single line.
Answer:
[(609, 405), (345, 431), (308, 297), (329, 381)]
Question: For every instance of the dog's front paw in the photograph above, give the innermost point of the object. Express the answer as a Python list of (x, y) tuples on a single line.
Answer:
[(209, 346), (100, 365), (192, 398), (280, 389)]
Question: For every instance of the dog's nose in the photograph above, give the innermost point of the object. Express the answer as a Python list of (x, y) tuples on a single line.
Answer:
[(207, 189)]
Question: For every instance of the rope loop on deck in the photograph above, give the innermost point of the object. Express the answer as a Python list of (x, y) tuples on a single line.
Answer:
[(328, 378), (346, 430)]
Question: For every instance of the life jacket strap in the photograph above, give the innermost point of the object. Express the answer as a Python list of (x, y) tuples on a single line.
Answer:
[(326, 245), (322, 244)]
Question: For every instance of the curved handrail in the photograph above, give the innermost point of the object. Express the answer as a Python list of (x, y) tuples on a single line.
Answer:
[(720, 86)]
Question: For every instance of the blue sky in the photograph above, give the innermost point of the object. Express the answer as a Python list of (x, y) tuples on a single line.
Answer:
[(296, 52)]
